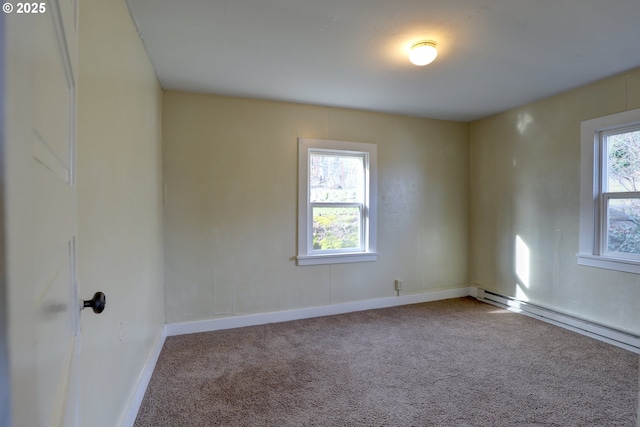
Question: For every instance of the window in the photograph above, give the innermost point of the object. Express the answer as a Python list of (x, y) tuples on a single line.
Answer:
[(336, 202), (610, 192)]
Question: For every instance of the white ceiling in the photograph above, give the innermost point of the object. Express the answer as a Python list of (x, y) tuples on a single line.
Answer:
[(493, 54)]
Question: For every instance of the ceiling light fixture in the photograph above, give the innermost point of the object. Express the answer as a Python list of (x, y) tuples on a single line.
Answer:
[(423, 52)]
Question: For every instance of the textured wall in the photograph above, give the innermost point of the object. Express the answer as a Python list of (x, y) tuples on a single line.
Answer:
[(525, 183), (120, 249), (230, 170)]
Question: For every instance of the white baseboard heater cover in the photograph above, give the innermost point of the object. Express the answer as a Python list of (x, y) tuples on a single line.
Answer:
[(593, 330)]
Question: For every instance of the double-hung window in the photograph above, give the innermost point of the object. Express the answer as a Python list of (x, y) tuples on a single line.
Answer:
[(336, 202), (610, 192)]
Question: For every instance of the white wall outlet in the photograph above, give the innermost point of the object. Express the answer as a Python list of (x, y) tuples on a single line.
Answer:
[(398, 284)]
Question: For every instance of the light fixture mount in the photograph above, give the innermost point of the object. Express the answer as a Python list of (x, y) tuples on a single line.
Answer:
[(423, 52)]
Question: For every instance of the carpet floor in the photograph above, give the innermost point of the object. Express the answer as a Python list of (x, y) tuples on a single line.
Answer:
[(456, 362)]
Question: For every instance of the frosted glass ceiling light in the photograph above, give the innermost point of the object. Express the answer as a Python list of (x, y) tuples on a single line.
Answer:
[(423, 52)]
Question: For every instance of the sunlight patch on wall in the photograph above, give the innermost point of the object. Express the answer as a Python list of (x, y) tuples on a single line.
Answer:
[(524, 120), (520, 294), (522, 261)]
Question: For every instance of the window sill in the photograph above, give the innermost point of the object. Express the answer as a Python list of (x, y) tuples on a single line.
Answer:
[(609, 263), (336, 258)]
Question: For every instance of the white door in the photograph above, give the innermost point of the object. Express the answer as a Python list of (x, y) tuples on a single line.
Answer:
[(40, 222), (5, 403)]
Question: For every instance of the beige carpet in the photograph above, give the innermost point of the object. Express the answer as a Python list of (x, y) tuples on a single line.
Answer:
[(449, 363)]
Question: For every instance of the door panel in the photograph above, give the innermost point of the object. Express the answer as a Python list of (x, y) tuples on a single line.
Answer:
[(5, 402), (55, 295), (44, 320), (53, 92)]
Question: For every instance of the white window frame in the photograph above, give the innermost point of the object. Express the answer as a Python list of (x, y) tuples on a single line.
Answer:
[(593, 200), (306, 254)]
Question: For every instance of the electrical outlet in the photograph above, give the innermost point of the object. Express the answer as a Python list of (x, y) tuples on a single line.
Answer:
[(398, 285)]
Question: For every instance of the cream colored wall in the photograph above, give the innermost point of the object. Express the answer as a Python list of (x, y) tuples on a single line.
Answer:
[(230, 170), (525, 182), (120, 248)]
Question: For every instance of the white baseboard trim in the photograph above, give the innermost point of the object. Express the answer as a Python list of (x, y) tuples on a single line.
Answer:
[(305, 313), (143, 380), (593, 330)]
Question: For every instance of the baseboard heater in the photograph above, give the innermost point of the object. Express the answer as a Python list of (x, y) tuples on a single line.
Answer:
[(603, 333)]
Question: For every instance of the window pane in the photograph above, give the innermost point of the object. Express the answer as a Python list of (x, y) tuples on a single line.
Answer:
[(623, 162), (334, 178), (624, 226), (336, 228)]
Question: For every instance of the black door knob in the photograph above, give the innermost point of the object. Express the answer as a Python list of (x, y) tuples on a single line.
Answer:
[(97, 303)]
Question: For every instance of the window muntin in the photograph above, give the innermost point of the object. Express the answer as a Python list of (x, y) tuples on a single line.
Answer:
[(336, 206)]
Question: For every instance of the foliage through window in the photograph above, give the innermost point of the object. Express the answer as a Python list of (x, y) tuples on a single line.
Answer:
[(621, 191), (336, 218), (336, 194)]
